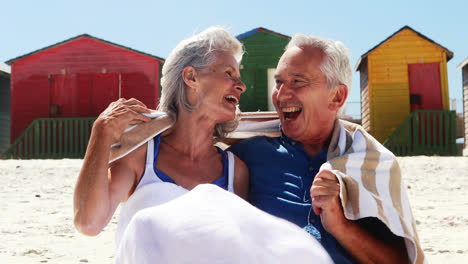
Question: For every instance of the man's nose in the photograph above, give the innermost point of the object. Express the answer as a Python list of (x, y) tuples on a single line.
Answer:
[(284, 91)]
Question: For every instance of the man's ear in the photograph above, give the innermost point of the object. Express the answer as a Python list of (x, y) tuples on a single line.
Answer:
[(338, 96), (189, 75)]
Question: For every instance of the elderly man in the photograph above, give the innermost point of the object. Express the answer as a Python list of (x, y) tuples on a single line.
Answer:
[(287, 174)]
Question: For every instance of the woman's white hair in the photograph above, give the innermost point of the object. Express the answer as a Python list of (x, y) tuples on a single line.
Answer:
[(198, 51), (335, 66)]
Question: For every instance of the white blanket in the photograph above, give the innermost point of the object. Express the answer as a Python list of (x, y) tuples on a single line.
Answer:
[(211, 225), (371, 183), (145, 197)]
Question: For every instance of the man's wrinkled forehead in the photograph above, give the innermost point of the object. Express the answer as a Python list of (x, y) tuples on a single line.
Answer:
[(291, 74), (292, 61), (311, 51)]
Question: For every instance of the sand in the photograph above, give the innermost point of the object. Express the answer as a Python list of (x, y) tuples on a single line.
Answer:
[(36, 211)]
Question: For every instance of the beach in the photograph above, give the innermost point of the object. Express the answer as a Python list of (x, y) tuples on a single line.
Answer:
[(36, 211)]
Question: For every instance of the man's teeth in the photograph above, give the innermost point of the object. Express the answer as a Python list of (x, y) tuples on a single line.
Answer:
[(291, 113), (291, 109), (232, 98)]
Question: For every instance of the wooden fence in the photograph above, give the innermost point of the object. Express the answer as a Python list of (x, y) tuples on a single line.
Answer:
[(425, 132), (52, 138)]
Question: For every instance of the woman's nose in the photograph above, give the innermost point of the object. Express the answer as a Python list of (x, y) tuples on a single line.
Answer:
[(241, 86)]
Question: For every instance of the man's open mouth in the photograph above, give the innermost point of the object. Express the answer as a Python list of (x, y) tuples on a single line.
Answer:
[(232, 99), (290, 113)]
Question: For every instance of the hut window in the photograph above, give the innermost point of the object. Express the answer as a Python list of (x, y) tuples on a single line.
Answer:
[(271, 86)]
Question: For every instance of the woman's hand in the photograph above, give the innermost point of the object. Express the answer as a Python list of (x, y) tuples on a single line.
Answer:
[(118, 116)]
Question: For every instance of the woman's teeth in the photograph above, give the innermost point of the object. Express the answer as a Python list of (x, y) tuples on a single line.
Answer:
[(232, 99)]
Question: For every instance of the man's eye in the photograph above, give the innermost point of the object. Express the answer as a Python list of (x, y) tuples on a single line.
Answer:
[(229, 73)]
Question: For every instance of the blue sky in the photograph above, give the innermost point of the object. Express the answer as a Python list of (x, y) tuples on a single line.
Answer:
[(155, 27)]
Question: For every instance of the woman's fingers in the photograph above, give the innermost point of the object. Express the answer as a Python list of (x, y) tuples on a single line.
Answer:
[(135, 101), (119, 115), (140, 109), (129, 102), (127, 107), (136, 116), (125, 115)]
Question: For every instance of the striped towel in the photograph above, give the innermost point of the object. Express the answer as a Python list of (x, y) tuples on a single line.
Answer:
[(371, 183)]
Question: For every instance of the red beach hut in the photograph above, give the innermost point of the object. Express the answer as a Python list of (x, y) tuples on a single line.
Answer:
[(77, 78)]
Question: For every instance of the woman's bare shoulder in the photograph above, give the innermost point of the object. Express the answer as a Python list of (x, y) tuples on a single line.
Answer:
[(132, 162)]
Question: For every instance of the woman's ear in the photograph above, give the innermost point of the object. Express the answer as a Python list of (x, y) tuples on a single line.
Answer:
[(338, 96), (189, 75)]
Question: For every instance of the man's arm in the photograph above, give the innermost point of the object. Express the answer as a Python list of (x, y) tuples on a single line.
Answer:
[(358, 242)]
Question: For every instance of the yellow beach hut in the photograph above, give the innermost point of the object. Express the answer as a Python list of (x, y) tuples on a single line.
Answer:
[(404, 94)]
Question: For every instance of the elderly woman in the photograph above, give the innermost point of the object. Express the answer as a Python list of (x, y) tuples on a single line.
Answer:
[(201, 87)]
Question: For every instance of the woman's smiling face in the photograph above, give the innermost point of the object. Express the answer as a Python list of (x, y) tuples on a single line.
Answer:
[(220, 88)]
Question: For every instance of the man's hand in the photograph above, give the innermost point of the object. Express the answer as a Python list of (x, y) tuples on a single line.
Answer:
[(119, 115), (362, 245), (325, 194)]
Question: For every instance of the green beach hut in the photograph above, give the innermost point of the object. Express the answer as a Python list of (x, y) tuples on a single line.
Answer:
[(263, 49)]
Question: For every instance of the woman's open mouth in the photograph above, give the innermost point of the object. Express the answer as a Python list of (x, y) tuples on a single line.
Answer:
[(231, 99)]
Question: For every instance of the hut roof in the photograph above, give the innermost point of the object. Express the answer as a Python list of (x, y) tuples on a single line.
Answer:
[(4, 69), (261, 29), (461, 65), (364, 56), (9, 62)]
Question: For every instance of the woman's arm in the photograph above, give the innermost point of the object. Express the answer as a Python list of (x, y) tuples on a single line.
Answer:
[(100, 188), (241, 178)]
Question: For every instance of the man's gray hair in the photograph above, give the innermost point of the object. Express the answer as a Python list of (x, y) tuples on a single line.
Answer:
[(198, 51), (335, 66)]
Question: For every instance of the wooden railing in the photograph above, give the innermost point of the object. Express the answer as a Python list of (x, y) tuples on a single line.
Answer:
[(425, 132), (52, 138)]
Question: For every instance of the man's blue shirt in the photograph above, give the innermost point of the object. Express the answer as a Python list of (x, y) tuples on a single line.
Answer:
[(281, 174)]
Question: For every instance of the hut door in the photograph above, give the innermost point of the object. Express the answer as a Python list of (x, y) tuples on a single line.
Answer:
[(424, 86), (83, 95), (425, 94), (105, 90), (57, 95)]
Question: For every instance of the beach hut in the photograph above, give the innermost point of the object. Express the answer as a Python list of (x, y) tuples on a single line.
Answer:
[(464, 67), (71, 82), (263, 49), (4, 107), (404, 93)]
